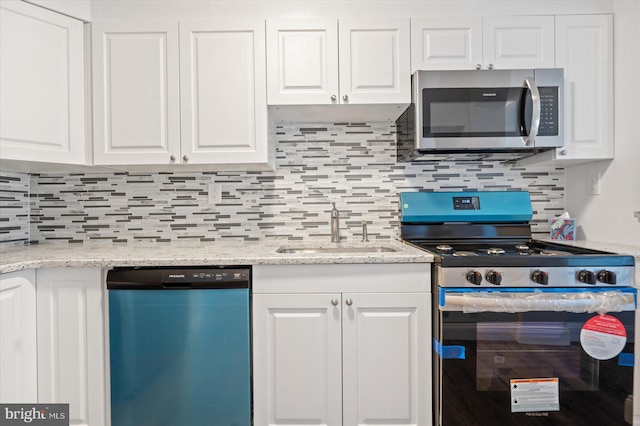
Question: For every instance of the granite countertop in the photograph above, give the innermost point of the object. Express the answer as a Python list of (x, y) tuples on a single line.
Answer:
[(185, 253), (609, 247)]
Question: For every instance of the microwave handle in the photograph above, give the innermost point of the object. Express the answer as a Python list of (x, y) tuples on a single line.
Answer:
[(535, 114)]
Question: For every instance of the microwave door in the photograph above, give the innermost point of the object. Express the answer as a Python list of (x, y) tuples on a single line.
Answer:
[(475, 117), (529, 114)]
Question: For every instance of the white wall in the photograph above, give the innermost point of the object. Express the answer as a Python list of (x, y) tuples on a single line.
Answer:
[(609, 217), (210, 9)]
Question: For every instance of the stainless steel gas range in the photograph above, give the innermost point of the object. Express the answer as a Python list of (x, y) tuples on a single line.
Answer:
[(525, 331)]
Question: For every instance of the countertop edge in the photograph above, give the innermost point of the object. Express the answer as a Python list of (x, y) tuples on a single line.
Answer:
[(104, 256)]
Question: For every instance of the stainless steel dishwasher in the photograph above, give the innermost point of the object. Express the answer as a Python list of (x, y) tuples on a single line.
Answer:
[(180, 351)]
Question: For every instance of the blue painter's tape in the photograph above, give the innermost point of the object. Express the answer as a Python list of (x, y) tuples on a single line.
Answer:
[(448, 352), (626, 359)]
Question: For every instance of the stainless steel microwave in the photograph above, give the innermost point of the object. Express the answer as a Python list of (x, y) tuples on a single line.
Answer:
[(482, 114)]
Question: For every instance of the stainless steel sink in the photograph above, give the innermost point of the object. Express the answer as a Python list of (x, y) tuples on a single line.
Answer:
[(335, 250)]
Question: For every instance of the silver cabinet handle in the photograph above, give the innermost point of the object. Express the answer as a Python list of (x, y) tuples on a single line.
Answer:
[(334, 302), (490, 66), (535, 114), (334, 98), (349, 302), (478, 66), (185, 158), (172, 158), (345, 98)]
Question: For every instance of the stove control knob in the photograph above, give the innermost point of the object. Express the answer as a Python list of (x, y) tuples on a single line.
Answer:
[(494, 277), (474, 277), (607, 277), (586, 277), (540, 277)]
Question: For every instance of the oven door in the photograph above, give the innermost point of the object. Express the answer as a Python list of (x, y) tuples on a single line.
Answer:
[(524, 357)]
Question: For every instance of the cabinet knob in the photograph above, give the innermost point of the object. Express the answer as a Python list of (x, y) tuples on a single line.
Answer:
[(563, 152), (345, 98), (478, 66), (490, 66), (172, 158), (185, 158), (349, 302), (334, 98), (334, 302)]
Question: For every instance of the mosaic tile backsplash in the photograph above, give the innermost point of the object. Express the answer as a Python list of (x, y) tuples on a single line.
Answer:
[(352, 165), (14, 208)]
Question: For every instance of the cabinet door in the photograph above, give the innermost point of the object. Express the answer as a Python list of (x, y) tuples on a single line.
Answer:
[(71, 364), (446, 44), (375, 61), (136, 104), (386, 359), (42, 84), (297, 368), (584, 48), (223, 93), (302, 62), (517, 42), (18, 362)]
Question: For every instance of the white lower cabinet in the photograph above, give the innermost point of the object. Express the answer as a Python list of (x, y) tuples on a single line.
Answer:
[(18, 365), (71, 361), (329, 357)]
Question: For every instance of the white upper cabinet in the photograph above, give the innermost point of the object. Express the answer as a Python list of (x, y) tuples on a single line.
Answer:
[(180, 93), (454, 43), (350, 61), (302, 61), (584, 48), (223, 92), (516, 42), (42, 107), (508, 42), (136, 93), (374, 61)]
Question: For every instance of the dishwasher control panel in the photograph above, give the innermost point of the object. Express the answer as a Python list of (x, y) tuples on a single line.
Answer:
[(168, 278)]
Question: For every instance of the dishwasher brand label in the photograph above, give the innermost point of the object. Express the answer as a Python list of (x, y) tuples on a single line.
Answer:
[(34, 414), (603, 337), (533, 395)]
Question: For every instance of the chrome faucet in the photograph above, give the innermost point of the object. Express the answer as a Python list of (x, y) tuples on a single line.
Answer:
[(335, 224)]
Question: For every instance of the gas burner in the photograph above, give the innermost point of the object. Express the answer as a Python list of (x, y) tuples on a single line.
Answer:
[(522, 248), (555, 253), (495, 251), (465, 253), (444, 248)]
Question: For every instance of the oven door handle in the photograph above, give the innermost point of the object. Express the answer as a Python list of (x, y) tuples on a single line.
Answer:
[(511, 302)]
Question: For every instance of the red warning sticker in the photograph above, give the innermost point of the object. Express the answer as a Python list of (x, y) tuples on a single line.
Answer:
[(603, 337)]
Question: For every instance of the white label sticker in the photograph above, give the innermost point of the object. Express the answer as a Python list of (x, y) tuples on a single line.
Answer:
[(529, 395), (603, 337)]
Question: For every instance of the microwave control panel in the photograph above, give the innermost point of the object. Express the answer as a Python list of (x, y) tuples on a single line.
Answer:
[(548, 111)]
